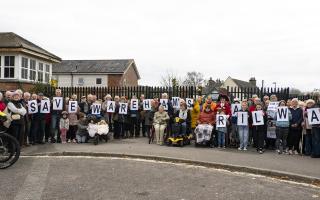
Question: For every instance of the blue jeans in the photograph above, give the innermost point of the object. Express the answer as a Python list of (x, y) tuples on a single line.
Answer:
[(243, 132), (55, 120), (221, 138)]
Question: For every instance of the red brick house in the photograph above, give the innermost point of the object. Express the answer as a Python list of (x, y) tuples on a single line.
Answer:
[(97, 73)]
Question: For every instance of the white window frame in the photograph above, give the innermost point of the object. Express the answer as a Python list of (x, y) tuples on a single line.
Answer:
[(31, 70), (24, 68), (47, 73), (40, 71), (9, 66)]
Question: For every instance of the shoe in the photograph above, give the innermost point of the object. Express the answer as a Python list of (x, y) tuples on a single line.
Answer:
[(290, 152), (69, 141), (74, 141), (240, 149), (64, 142), (278, 151), (224, 147), (245, 149), (261, 152)]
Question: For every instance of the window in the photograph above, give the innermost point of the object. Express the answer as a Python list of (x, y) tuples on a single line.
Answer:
[(98, 81), (40, 72), (9, 67), (47, 74), (80, 81), (24, 68), (33, 71)]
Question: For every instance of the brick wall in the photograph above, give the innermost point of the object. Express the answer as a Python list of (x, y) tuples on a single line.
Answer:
[(118, 80), (4, 86)]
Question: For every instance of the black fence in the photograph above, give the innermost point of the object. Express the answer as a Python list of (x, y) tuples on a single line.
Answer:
[(305, 97), (245, 93), (149, 92)]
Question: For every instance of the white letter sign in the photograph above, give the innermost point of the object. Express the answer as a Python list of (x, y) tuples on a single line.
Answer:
[(313, 116), (189, 102), (72, 107), (242, 119), (147, 104), (221, 120), (282, 114), (45, 106), (134, 105), (235, 108), (32, 106), (96, 109), (111, 106), (164, 103), (257, 118), (123, 108), (175, 102), (57, 103)]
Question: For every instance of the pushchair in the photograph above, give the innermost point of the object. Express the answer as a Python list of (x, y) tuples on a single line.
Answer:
[(204, 135), (98, 129), (179, 136)]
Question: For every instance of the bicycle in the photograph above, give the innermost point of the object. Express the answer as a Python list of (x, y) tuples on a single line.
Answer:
[(9, 150)]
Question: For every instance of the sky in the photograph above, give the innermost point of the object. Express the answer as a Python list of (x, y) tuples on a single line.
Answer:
[(275, 40)]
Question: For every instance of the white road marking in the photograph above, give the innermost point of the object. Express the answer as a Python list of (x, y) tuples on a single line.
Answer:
[(34, 183)]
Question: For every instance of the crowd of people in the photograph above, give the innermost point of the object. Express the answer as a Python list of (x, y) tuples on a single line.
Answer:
[(293, 136)]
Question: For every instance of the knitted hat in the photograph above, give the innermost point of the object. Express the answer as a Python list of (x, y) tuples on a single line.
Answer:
[(310, 101)]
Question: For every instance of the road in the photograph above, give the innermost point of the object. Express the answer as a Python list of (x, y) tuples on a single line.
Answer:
[(113, 178)]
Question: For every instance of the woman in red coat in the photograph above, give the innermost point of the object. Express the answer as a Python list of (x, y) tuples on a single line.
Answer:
[(2, 104), (223, 104)]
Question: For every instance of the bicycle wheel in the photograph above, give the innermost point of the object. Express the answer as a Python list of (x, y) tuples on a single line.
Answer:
[(9, 150)]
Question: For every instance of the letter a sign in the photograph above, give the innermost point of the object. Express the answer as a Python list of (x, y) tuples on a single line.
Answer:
[(314, 116)]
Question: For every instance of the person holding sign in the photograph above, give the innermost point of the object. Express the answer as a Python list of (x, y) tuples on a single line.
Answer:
[(108, 108), (123, 118), (315, 153), (134, 117), (282, 117), (73, 110), (221, 126), (57, 108), (259, 120), (195, 113), (160, 121), (148, 117), (243, 126), (223, 103), (235, 108), (38, 122), (295, 132)]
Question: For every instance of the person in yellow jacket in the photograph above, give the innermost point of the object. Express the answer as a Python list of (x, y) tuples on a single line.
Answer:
[(210, 102), (195, 113)]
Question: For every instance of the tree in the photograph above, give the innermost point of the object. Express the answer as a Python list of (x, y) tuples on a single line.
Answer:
[(194, 79), (295, 91), (170, 79)]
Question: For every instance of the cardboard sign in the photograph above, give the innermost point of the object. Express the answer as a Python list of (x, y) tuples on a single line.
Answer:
[(164, 103), (282, 114), (45, 106), (123, 108), (242, 118), (146, 104), (57, 103), (257, 118), (313, 116), (96, 109), (189, 103), (111, 106), (32, 106), (273, 105), (73, 107), (221, 120), (134, 105), (235, 108), (175, 102)]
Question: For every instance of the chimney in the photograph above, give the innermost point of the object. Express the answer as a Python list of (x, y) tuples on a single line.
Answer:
[(253, 81), (211, 82)]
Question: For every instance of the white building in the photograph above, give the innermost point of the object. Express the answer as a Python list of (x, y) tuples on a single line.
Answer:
[(23, 63)]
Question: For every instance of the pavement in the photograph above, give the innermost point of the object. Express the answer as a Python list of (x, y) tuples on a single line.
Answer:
[(83, 178), (290, 167)]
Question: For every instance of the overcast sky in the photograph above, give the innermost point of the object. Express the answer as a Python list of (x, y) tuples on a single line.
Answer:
[(274, 40)]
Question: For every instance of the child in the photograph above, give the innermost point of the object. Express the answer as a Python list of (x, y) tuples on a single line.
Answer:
[(259, 130), (243, 130), (82, 129), (221, 131), (64, 126)]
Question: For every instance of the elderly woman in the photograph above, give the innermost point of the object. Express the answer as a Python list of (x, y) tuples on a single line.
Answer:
[(160, 120), (295, 132), (107, 115), (182, 122), (17, 111)]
